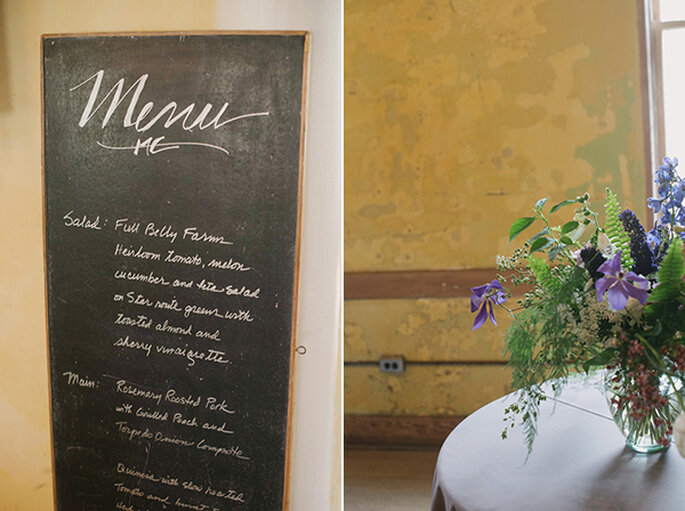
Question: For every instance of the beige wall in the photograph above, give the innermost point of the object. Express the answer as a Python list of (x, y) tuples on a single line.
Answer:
[(25, 464)]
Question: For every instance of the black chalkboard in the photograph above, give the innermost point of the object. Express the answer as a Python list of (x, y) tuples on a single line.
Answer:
[(172, 178)]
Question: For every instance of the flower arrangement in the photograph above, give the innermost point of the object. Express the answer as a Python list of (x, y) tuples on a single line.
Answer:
[(608, 296)]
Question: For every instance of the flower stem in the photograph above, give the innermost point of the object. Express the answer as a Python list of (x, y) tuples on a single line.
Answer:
[(513, 316), (657, 360), (556, 241)]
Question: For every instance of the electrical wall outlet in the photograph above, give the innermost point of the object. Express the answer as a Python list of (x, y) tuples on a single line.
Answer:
[(393, 364)]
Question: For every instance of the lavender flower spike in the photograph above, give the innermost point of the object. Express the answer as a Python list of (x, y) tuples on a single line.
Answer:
[(619, 284), (484, 296)]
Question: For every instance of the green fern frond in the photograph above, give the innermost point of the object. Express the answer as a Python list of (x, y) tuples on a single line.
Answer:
[(664, 301), (542, 272), (614, 229), (539, 343), (529, 419)]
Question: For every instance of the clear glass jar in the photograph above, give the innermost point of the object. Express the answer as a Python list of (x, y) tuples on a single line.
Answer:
[(645, 418)]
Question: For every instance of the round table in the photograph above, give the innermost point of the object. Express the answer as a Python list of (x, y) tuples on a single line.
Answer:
[(579, 462)]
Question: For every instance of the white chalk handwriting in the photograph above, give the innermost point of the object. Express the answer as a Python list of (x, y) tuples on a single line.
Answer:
[(141, 119)]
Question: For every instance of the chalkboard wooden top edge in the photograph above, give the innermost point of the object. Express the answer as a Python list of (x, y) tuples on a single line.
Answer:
[(173, 33)]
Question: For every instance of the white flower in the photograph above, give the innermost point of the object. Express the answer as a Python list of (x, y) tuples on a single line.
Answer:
[(576, 233), (679, 434), (605, 246)]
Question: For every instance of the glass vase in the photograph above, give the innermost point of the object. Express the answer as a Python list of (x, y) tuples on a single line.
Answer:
[(643, 406)]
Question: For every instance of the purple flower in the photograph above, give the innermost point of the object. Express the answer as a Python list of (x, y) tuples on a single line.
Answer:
[(663, 189), (666, 172), (619, 284), (679, 191), (484, 296), (654, 237), (670, 162), (654, 204)]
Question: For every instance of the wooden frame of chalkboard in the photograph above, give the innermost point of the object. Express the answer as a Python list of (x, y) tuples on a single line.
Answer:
[(172, 182)]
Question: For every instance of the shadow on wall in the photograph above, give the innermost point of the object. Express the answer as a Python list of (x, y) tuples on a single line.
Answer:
[(5, 97)]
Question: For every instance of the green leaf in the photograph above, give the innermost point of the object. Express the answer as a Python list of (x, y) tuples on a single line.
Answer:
[(566, 240), (561, 205), (655, 330), (520, 225), (543, 232), (554, 252), (601, 359), (569, 227), (539, 204), (541, 244)]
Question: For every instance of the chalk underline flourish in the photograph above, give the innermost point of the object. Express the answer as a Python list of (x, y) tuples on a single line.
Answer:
[(156, 145)]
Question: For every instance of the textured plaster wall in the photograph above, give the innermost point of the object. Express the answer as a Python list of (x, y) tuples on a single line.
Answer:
[(25, 464), (448, 390), (428, 330), (459, 115)]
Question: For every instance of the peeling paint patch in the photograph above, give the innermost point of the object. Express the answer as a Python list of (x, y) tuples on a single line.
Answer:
[(428, 329), (375, 211)]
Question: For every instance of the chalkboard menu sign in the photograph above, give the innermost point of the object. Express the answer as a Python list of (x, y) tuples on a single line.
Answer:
[(172, 176)]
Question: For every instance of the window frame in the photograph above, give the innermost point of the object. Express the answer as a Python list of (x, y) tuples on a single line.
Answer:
[(654, 29)]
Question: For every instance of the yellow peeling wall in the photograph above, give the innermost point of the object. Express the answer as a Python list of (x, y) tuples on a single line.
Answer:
[(459, 115), (25, 465)]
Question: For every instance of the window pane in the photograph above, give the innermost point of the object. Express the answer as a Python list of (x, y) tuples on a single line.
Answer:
[(671, 10), (674, 99)]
